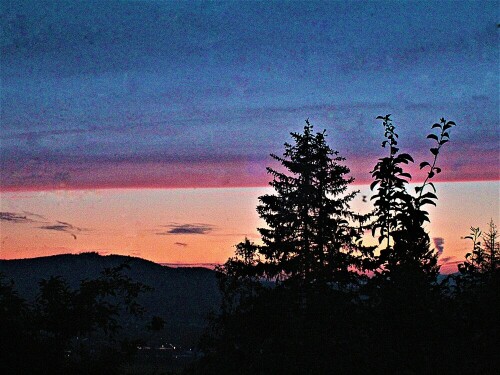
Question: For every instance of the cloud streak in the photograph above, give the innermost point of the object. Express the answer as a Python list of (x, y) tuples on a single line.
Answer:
[(13, 217), (61, 226), (31, 218), (178, 229)]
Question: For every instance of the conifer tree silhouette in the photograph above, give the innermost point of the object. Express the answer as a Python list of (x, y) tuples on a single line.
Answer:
[(312, 236), (309, 238)]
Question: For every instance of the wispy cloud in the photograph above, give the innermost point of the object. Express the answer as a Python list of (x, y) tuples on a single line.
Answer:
[(15, 217), (43, 223), (196, 228), (61, 226), (35, 216)]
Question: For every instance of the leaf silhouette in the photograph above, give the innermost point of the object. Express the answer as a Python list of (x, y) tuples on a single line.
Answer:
[(424, 164), (433, 136)]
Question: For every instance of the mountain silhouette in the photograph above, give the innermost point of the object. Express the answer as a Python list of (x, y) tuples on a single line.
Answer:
[(182, 297)]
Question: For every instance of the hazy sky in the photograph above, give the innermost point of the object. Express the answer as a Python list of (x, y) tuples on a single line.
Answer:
[(142, 94)]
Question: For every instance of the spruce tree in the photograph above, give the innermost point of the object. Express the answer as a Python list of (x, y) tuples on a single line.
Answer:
[(310, 238)]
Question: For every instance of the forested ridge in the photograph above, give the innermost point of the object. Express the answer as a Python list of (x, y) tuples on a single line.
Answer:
[(89, 314)]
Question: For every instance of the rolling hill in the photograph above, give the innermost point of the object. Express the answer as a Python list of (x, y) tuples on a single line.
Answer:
[(183, 297)]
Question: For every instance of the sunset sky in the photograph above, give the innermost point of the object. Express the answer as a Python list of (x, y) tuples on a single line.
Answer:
[(144, 127)]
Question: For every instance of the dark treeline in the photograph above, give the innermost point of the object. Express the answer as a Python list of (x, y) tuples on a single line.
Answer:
[(93, 314), (312, 298), (71, 330)]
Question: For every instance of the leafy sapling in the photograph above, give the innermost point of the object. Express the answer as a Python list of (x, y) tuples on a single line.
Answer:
[(399, 216), (432, 170)]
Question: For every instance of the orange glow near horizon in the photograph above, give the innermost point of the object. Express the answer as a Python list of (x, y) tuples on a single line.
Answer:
[(128, 222), (205, 223)]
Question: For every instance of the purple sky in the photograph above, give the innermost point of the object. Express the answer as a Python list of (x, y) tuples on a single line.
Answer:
[(171, 94)]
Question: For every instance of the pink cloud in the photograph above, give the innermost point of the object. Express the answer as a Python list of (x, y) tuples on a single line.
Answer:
[(213, 171)]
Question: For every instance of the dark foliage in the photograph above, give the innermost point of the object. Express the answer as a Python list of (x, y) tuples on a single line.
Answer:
[(399, 216), (68, 331), (182, 297), (300, 303), (86, 321)]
